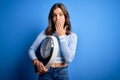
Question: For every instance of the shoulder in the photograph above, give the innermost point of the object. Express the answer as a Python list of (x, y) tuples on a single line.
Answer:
[(42, 34), (73, 35)]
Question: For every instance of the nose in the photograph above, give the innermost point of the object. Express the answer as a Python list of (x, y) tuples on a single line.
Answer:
[(58, 17)]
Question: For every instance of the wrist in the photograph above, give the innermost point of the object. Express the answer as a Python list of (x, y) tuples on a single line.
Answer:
[(35, 61)]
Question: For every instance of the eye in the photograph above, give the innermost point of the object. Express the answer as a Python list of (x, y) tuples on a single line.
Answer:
[(60, 14), (53, 15)]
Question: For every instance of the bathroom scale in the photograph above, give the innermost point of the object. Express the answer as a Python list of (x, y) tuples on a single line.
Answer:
[(47, 51)]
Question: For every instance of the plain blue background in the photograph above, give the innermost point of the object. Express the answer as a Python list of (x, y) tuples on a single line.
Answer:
[(96, 22)]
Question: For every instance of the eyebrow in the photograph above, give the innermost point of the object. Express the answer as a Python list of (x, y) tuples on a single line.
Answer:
[(58, 13)]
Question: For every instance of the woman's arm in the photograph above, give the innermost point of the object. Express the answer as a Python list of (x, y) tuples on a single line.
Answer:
[(68, 48), (39, 67), (35, 45)]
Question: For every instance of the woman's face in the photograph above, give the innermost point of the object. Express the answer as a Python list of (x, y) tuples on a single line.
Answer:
[(58, 17)]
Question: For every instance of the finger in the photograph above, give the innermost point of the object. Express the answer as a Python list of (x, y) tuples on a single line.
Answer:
[(46, 69), (56, 26), (56, 23), (60, 26), (65, 28), (41, 65), (43, 68), (42, 71)]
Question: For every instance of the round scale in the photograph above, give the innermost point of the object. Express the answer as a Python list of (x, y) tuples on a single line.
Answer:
[(47, 50)]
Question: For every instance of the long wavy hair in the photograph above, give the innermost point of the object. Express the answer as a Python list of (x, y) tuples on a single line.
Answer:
[(51, 26)]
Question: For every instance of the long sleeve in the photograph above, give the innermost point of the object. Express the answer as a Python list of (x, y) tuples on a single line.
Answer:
[(68, 46), (35, 45)]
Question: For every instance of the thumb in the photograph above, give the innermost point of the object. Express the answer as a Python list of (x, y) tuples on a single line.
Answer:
[(65, 27)]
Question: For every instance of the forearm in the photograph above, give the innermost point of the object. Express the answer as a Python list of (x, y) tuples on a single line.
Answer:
[(35, 45), (68, 48), (32, 54)]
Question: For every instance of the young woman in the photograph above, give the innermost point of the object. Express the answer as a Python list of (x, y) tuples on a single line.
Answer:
[(59, 26)]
